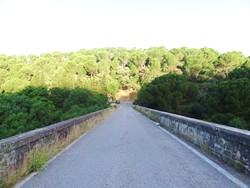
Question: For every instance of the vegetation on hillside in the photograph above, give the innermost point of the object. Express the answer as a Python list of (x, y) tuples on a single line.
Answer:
[(109, 70), (202, 83)]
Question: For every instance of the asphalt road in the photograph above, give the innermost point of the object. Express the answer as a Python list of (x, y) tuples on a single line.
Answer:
[(128, 150)]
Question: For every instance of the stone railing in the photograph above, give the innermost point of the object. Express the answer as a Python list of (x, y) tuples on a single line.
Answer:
[(15, 150), (231, 145)]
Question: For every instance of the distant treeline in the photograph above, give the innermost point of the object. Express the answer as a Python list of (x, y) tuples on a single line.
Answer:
[(36, 107), (226, 102), (108, 70)]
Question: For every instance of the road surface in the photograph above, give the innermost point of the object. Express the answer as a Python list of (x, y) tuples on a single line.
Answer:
[(128, 151)]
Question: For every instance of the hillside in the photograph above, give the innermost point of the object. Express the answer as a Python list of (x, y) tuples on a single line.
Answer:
[(109, 70)]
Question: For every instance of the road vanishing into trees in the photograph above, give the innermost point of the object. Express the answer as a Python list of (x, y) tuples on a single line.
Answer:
[(128, 150)]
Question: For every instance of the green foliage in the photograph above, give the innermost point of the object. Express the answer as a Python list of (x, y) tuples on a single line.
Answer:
[(228, 62), (33, 107), (226, 102), (14, 112), (202, 83), (230, 96), (170, 92), (58, 96), (35, 92), (107, 70), (239, 73)]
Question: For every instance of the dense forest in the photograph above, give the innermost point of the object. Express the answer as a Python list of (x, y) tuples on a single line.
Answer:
[(36, 107), (200, 83), (113, 69), (226, 102)]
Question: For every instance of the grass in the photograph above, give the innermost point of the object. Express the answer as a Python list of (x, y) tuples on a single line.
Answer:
[(41, 154), (37, 160), (205, 149), (238, 166)]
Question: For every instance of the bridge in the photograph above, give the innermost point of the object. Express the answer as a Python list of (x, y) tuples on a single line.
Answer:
[(131, 151)]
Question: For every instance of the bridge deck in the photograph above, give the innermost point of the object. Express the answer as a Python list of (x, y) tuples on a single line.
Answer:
[(128, 150)]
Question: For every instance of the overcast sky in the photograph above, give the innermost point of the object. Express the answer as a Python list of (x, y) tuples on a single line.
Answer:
[(39, 26)]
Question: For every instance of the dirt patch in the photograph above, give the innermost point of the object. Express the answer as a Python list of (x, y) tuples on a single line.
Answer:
[(126, 95)]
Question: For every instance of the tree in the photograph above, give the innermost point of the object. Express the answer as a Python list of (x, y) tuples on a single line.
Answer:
[(157, 53), (199, 67), (14, 84), (42, 113), (239, 73), (170, 64), (123, 76), (122, 55), (62, 79), (169, 92), (58, 96), (35, 92), (247, 63), (138, 58), (91, 68), (227, 62), (103, 67), (38, 79), (229, 98), (36, 107)]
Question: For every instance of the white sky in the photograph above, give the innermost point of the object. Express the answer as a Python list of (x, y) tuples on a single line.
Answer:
[(39, 26)]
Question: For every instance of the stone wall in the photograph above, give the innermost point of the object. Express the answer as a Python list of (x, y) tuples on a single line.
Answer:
[(14, 150), (229, 144)]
